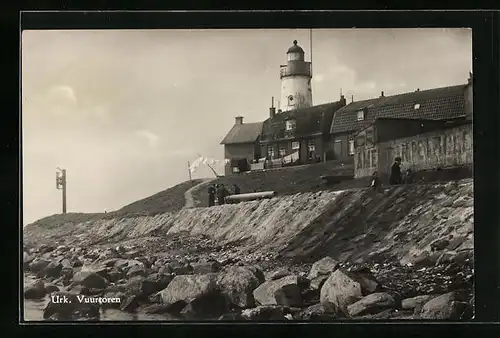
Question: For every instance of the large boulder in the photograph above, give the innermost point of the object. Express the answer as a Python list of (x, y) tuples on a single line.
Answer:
[(206, 267), (265, 312), (447, 306), (415, 303), (35, 291), (371, 304), (344, 288), (53, 269), (144, 287), (289, 295), (279, 273), (187, 288), (38, 265), (317, 312), (238, 283), (90, 280), (136, 270), (324, 266), (265, 294)]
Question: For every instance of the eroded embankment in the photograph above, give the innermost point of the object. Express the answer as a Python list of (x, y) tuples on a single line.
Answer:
[(406, 223)]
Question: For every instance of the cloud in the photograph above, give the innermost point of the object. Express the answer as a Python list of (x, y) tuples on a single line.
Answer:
[(62, 93), (149, 136), (318, 77)]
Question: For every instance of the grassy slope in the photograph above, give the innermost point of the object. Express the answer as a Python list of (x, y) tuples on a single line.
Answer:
[(169, 200)]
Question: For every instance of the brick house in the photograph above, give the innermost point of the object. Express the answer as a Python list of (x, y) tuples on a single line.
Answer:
[(433, 104), (428, 129), (298, 136), (241, 146)]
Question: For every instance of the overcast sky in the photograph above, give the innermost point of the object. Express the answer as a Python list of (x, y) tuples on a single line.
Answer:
[(123, 111)]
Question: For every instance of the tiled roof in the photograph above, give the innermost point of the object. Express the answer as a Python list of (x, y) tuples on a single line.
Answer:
[(435, 104), (243, 133), (309, 121)]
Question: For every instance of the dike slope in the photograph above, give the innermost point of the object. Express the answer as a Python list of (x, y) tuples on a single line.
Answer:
[(411, 224)]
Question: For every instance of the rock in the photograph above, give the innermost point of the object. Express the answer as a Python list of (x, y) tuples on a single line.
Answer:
[(35, 291), (310, 296), (324, 266), (238, 283), (384, 315), (211, 305), (288, 295), (231, 317), (317, 282), (38, 265), (90, 280), (136, 270), (440, 244), (130, 304), (415, 303), (53, 269), (206, 267), (264, 294), (316, 312), (277, 274), (49, 288), (371, 304), (114, 275), (27, 259), (179, 268), (264, 312), (342, 289), (144, 287), (187, 288), (447, 306)]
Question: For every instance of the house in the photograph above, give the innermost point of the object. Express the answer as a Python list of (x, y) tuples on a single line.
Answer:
[(421, 144), (298, 136), (433, 104), (241, 146), (428, 129)]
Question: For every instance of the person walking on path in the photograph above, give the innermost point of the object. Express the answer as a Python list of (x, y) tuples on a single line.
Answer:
[(211, 196)]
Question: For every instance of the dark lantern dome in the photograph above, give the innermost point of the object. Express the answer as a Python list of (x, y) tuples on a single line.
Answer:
[(295, 48)]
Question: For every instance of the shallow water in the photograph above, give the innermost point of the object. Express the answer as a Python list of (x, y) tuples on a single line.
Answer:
[(33, 310)]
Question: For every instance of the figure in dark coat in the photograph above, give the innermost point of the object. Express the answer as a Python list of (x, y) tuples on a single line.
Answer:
[(395, 177), (409, 177), (236, 190), (221, 195), (211, 196)]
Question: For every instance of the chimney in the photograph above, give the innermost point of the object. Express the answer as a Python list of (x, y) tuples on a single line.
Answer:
[(382, 93), (352, 98), (342, 100), (272, 110), (238, 120)]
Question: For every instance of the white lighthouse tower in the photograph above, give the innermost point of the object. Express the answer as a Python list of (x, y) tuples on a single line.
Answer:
[(295, 78)]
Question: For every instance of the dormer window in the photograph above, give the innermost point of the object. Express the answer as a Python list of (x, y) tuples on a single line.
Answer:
[(361, 115), (417, 106), (290, 125)]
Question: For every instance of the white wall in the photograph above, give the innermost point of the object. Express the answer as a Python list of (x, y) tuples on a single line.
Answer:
[(298, 86)]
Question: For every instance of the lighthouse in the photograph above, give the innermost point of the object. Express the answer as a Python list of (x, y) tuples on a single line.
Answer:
[(295, 78)]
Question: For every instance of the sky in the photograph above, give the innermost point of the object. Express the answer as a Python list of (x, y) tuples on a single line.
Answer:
[(123, 111)]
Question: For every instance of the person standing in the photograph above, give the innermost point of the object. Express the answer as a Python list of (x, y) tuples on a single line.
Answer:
[(211, 196), (236, 189), (221, 194), (375, 182), (395, 176)]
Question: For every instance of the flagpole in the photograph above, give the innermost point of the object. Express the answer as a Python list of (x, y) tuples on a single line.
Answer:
[(189, 171)]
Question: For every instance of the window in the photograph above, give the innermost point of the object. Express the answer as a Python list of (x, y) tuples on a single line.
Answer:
[(295, 145), (282, 151), (290, 125), (417, 106), (270, 152), (361, 115), (311, 145), (351, 147)]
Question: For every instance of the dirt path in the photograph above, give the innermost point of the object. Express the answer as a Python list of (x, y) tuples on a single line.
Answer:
[(188, 195)]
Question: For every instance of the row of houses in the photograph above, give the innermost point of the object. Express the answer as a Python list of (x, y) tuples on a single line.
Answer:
[(428, 129)]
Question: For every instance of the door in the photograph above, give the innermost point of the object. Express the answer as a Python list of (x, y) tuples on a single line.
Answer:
[(337, 149)]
